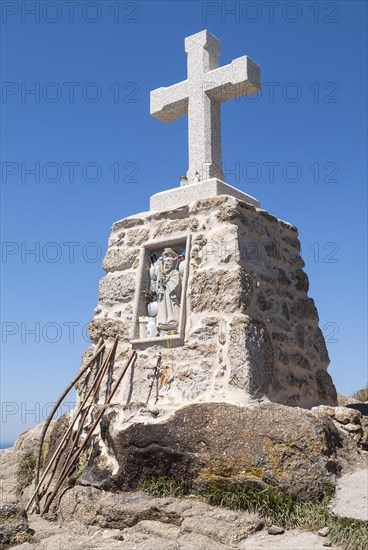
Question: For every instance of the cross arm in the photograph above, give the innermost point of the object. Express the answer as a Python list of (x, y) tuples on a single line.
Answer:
[(241, 77), (168, 104)]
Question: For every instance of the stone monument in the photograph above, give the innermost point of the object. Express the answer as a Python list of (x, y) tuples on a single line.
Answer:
[(206, 286)]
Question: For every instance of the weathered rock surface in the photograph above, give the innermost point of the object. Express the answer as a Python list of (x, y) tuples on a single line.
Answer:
[(150, 535), (8, 471), (323, 532), (351, 498), (93, 519), (290, 540), (140, 514), (349, 420), (27, 442), (275, 530), (143, 522), (14, 527), (266, 444)]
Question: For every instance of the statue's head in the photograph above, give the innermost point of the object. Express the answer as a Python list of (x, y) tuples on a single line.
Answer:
[(169, 259)]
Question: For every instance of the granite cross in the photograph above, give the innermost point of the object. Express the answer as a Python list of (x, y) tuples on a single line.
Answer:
[(200, 96)]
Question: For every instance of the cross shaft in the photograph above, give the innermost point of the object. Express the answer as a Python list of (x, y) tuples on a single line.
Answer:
[(200, 97)]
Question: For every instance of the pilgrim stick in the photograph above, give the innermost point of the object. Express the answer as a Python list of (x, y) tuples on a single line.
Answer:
[(80, 450), (94, 389), (80, 408)]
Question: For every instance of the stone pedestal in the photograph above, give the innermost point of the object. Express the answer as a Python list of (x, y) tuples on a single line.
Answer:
[(180, 196), (248, 329)]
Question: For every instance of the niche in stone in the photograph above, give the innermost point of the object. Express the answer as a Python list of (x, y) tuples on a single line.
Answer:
[(159, 312)]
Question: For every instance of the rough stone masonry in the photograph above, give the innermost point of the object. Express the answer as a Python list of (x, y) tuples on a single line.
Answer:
[(250, 329)]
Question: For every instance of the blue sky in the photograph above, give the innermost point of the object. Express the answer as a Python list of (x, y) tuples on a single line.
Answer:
[(97, 156)]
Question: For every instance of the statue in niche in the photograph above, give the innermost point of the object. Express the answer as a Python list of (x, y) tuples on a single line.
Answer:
[(164, 293), (168, 292)]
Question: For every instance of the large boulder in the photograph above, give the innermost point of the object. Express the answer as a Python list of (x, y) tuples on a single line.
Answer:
[(29, 440), (266, 444), (26, 443)]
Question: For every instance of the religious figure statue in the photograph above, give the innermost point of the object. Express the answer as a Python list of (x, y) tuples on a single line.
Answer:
[(168, 292)]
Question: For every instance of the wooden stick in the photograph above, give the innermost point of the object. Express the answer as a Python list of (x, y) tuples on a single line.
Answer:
[(100, 348), (80, 450), (84, 416), (94, 389), (81, 406)]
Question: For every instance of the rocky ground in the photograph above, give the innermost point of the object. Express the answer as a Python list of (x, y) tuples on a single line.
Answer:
[(93, 518), (153, 535), (137, 521)]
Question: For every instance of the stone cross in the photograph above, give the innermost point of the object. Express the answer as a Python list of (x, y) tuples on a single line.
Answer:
[(200, 96)]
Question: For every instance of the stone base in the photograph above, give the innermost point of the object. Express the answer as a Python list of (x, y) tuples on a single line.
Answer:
[(180, 196), (249, 329)]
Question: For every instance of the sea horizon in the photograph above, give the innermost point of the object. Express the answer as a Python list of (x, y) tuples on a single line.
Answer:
[(6, 444)]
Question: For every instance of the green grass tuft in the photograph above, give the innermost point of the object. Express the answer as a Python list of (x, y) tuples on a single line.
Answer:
[(275, 507), (352, 534), (25, 471), (166, 486)]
